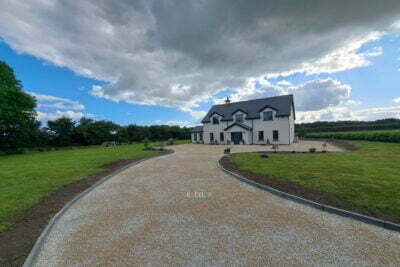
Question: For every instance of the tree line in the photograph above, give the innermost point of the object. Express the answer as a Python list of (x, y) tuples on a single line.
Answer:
[(345, 126), (19, 128)]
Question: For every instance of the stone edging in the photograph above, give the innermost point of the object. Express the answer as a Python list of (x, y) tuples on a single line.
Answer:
[(330, 209), (32, 257)]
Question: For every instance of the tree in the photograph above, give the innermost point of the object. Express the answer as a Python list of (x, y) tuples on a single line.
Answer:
[(82, 131), (63, 131), (18, 126)]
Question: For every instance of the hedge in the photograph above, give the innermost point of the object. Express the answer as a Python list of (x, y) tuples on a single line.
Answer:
[(392, 136)]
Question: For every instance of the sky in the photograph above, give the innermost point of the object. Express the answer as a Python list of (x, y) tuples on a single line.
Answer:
[(167, 62)]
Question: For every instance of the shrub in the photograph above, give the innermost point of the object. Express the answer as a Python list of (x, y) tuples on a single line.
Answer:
[(275, 147), (170, 142), (312, 150)]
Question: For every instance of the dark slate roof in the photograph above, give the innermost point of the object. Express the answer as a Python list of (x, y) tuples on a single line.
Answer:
[(238, 124), (282, 104), (197, 129)]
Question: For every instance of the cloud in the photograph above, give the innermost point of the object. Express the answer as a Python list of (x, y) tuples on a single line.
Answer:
[(342, 113), (319, 94), (198, 114), (178, 53), (42, 116), (284, 83), (60, 103), (175, 123), (312, 95), (397, 100), (55, 102), (351, 102)]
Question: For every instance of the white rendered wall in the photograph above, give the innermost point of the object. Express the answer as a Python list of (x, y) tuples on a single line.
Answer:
[(285, 126)]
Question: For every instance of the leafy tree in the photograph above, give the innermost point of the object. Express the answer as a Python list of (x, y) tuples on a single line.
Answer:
[(18, 126), (82, 131), (97, 132), (135, 133), (63, 131)]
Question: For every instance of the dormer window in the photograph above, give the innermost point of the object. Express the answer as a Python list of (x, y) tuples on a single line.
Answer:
[(239, 118), (268, 115), (215, 120)]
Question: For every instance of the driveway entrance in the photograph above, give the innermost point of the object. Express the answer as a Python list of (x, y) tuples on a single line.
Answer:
[(181, 210)]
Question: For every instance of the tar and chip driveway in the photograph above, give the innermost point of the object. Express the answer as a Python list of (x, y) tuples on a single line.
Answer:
[(150, 215)]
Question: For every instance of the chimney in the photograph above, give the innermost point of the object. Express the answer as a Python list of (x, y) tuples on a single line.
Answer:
[(227, 100)]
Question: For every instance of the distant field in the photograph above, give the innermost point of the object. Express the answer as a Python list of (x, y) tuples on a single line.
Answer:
[(368, 178), (392, 136), (26, 179)]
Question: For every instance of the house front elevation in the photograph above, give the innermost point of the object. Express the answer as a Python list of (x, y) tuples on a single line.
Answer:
[(259, 121)]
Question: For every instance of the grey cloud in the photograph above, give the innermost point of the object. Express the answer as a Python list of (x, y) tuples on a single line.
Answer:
[(312, 95), (319, 94), (176, 53)]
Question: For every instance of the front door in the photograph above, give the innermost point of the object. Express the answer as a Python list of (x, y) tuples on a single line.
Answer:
[(236, 137)]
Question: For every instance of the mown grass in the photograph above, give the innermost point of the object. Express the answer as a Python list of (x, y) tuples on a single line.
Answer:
[(392, 136), (26, 179), (368, 177)]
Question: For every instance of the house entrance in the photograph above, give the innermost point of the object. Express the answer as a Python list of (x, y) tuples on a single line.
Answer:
[(236, 137)]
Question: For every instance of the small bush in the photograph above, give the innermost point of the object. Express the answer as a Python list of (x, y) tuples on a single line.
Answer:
[(312, 150), (275, 147), (170, 142)]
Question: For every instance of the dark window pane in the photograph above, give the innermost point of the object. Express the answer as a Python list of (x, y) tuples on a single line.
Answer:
[(211, 137), (275, 135), (221, 136), (239, 117), (215, 120), (268, 115), (260, 135)]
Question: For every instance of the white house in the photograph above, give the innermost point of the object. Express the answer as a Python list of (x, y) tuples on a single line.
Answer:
[(259, 121)]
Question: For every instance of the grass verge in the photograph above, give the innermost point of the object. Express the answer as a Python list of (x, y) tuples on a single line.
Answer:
[(368, 179), (26, 179)]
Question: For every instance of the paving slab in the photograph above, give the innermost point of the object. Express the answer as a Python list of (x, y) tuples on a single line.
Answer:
[(180, 209)]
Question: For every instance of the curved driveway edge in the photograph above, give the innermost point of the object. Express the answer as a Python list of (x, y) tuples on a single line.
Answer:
[(30, 260), (327, 208), (182, 210)]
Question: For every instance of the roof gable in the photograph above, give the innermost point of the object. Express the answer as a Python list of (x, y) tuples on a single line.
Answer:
[(282, 105), (241, 125)]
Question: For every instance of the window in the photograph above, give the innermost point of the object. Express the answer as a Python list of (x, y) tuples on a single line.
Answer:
[(215, 120), (211, 136), (275, 135), (261, 136), (268, 115), (239, 117), (195, 136), (221, 136), (201, 136)]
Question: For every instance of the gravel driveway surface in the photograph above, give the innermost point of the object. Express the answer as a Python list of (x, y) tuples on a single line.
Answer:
[(180, 209)]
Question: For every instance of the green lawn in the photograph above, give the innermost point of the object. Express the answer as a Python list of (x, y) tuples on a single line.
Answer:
[(25, 179), (368, 177)]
